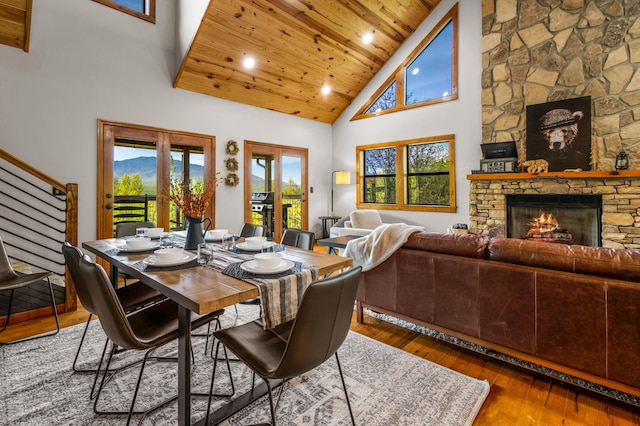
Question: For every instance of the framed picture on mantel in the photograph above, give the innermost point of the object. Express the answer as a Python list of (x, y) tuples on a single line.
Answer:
[(560, 132)]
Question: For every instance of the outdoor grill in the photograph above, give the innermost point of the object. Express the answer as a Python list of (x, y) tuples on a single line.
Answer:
[(262, 203)]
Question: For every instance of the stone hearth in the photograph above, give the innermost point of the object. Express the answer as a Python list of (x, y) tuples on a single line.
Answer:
[(620, 198)]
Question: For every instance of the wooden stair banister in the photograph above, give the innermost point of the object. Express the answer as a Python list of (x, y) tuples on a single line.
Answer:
[(70, 190)]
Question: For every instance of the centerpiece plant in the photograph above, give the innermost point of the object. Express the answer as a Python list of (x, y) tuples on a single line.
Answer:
[(193, 199)]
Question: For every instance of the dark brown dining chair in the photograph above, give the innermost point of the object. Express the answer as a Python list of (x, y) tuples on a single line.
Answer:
[(251, 230), (11, 280), (146, 329), (302, 344), (132, 297), (127, 229), (298, 238)]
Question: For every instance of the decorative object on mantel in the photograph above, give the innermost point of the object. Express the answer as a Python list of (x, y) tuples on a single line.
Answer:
[(232, 147), (572, 170), (622, 161), (560, 132), (498, 157), (536, 166)]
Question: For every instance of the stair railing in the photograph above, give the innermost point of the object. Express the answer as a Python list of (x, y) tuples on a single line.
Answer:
[(37, 214)]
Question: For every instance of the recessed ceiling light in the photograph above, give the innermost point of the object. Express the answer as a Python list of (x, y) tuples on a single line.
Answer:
[(326, 90), (367, 38), (415, 71), (445, 94), (249, 63)]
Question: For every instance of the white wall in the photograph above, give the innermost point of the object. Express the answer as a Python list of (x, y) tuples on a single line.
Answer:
[(461, 117), (90, 62)]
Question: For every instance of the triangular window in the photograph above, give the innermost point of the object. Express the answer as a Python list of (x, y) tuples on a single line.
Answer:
[(429, 74), (385, 101), (143, 9)]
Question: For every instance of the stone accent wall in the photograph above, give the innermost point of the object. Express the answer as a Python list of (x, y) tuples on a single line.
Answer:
[(537, 51), (620, 199)]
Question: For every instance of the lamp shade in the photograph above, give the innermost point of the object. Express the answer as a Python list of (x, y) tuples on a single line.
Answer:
[(343, 178)]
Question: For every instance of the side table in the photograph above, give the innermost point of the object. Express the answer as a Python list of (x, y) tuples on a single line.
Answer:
[(325, 220)]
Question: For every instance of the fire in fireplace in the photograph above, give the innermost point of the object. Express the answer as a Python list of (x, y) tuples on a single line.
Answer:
[(545, 228), (555, 218)]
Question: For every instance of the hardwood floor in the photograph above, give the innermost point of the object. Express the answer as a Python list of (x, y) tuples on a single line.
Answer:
[(517, 396)]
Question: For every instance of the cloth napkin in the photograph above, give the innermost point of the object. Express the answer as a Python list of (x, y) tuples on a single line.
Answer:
[(280, 294)]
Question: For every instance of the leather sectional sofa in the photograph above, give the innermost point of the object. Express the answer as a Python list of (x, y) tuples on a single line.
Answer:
[(574, 309)]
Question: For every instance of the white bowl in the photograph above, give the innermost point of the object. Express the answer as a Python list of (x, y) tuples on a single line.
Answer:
[(138, 243), (255, 242), (168, 254), (216, 234), (268, 260), (155, 232)]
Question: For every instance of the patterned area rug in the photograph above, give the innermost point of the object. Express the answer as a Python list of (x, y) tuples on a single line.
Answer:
[(386, 385)]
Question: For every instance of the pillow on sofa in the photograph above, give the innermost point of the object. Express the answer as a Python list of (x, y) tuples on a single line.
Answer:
[(367, 219)]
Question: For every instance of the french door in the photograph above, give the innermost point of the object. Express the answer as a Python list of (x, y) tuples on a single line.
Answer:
[(135, 167), (280, 170)]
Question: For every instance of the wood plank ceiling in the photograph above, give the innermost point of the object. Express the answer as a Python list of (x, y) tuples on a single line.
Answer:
[(15, 23), (298, 46)]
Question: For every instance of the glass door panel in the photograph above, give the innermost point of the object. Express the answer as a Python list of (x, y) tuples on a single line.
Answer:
[(194, 159), (279, 173), (263, 181), (292, 194), (134, 182)]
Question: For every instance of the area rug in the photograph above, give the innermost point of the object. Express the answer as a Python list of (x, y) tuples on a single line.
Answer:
[(386, 385)]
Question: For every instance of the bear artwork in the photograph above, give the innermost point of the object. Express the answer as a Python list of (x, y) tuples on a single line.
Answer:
[(560, 132)]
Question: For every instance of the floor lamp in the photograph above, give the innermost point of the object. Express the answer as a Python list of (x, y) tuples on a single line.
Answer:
[(338, 177)]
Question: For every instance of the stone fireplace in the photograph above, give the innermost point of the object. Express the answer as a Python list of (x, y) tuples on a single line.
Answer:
[(619, 190)]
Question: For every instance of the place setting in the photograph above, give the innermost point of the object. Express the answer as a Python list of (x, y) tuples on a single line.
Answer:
[(135, 244), (167, 258)]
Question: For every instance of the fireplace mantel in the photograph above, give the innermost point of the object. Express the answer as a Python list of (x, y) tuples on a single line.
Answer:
[(595, 174), (620, 190)]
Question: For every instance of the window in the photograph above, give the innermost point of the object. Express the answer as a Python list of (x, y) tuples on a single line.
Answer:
[(416, 174), (143, 9), (429, 74)]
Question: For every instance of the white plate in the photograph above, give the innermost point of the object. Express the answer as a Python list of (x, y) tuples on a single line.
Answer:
[(252, 267), (126, 249), (153, 261), (246, 247)]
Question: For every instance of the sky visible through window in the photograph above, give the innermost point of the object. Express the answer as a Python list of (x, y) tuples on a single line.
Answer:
[(290, 165), (429, 75), (137, 5)]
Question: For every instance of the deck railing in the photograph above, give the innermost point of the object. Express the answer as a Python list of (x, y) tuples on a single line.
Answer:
[(37, 214)]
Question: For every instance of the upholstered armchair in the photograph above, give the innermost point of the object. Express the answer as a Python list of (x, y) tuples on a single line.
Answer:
[(360, 222)]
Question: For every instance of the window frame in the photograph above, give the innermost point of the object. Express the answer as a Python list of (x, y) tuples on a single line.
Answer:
[(402, 176), (150, 16), (399, 74)]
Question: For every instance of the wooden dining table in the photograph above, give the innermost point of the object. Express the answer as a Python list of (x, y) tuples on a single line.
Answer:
[(201, 290)]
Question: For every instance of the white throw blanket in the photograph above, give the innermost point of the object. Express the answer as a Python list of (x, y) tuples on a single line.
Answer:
[(373, 249)]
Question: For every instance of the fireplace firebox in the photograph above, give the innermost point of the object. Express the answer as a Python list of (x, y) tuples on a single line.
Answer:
[(555, 218)]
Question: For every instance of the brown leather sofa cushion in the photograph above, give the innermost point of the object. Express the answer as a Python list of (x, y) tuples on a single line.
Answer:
[(530, 253), (621, 264), (598, 261), (468, 245)]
